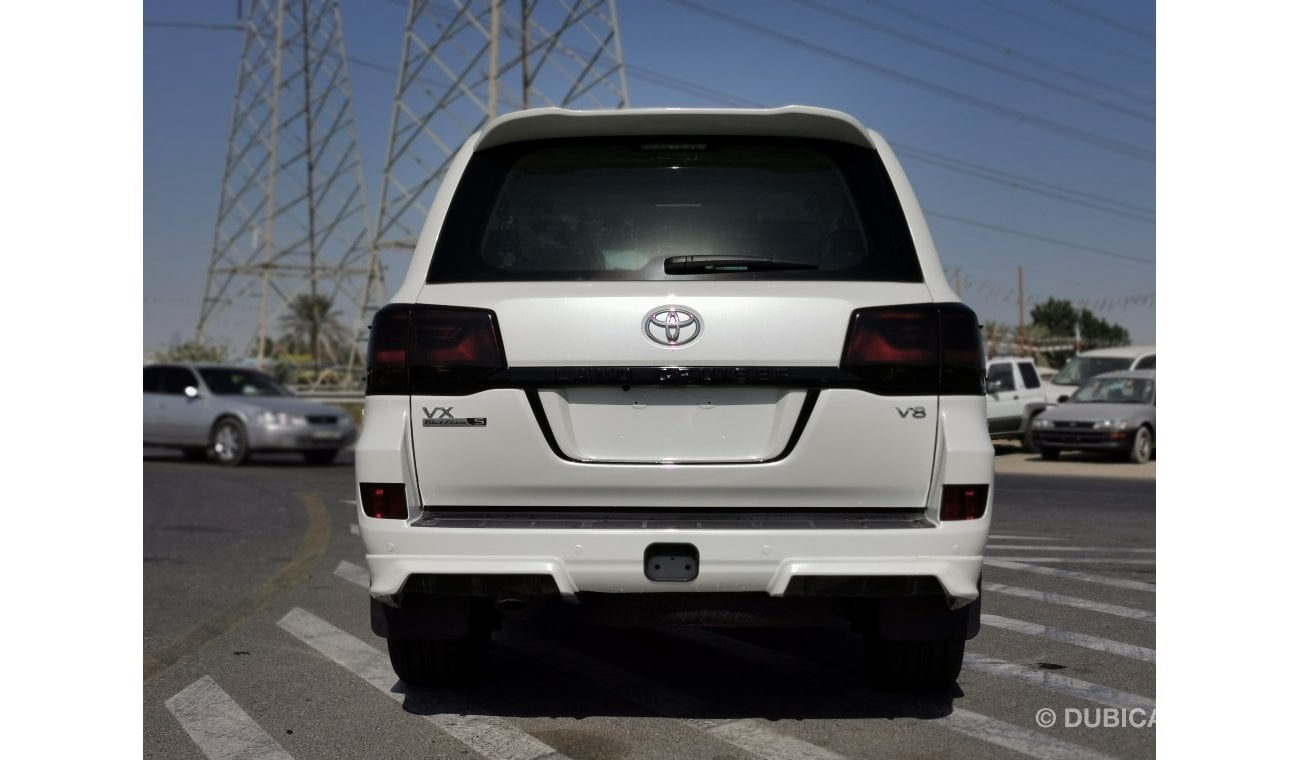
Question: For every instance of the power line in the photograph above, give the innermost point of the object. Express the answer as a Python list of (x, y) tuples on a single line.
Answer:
[(994, 291), (987, 173), (975, 60), (1023, 117), (1107, 20), (1039, 238), (197, 25), (1002, 49), (1076, 197), (950, 163), (1067, 32)]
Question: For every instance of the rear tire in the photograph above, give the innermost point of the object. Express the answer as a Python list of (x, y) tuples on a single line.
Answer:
[(913, 665), (229, 442), (1050, 455), (440, 662)]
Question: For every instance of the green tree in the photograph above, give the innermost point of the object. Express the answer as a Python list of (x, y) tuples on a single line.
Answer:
[(193, 350), (312, 327), (1057, 318)]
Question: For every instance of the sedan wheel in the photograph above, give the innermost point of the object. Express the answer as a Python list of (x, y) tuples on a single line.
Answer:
[(1140, 453), (229, 442)]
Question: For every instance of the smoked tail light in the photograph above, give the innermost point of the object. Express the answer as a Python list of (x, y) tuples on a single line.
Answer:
[(963, 502), (916, 349), (416, 348), (384, 500)]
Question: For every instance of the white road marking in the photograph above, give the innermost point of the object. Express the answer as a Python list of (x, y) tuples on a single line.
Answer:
[(1015, 738), (354, 573), (1014, 537), (1071, 601), (1056, 572), (1082, 560), (1056, 682), (1132, 651), (353, 502), (487, 735), (962, 721), (1023, 548), (356, 529), (220, 727), (748, 734), (759, 740)]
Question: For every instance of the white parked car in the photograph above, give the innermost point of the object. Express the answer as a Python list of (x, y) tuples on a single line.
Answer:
[(1089, 363), (675, 366), (1015, 398)]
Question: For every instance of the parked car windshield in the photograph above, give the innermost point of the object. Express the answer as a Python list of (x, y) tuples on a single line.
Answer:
[(1081, 368), (675, 209), (240, 382), (1115, 390)]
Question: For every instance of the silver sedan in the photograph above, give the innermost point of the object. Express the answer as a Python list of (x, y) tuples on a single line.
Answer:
[(224, 413), (1114, 411)]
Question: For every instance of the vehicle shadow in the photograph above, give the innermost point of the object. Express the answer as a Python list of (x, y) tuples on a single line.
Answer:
[(770, 674), (268, 460)]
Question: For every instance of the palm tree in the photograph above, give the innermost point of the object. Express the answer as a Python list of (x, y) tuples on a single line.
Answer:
[(311, 326)]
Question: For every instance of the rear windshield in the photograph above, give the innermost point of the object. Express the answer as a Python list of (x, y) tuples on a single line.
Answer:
[(675, 209)]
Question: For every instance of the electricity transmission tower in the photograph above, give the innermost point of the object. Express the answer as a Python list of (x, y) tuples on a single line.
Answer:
[(292, 220), (465, 62)]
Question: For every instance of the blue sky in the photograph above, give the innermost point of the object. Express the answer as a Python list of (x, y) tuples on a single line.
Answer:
[(1057, 95)]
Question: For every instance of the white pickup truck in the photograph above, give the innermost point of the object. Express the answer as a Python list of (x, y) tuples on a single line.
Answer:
[(1015, 396)]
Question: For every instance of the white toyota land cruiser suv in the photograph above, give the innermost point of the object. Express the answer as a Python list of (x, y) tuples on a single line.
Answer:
[(675, 367)]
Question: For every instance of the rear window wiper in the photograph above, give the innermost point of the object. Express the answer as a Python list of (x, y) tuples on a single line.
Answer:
[(707, 264)]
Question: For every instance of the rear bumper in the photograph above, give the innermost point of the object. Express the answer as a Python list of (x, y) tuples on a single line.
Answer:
[(730, 561)]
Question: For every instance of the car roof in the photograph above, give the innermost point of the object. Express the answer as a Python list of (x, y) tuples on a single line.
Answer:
[(787, 121), (1128, 352), (1137, 374)]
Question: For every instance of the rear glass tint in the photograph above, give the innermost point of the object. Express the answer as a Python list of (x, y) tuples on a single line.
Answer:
[(633, 209)]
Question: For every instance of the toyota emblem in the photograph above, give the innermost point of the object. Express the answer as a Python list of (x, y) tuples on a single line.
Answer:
[(672, 326)]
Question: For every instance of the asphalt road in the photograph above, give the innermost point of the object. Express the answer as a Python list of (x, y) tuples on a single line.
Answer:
[(257, 643)]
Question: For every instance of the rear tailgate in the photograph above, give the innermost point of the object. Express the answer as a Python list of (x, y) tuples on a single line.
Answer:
[(594, 410)]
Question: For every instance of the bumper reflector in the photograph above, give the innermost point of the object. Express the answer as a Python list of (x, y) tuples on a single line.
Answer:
[(963, 502), (384, 500)]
